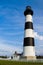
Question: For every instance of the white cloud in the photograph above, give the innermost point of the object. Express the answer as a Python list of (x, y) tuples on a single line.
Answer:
[(37, 36), (10, 49), (38, 50)]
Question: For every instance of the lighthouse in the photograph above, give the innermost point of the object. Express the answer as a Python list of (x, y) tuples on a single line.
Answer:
[(28, 45)]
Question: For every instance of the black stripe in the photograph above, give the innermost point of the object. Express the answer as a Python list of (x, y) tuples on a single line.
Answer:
[(28, 41), (27, 11), (28, 25)]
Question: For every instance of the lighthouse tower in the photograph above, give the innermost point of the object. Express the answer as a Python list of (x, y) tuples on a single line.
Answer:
[(28, 47)]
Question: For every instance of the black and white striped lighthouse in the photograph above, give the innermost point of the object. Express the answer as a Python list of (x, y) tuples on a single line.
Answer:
[(28, 47)]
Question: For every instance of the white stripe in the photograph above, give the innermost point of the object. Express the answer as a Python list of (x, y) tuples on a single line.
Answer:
[(28, 18), (29, 51), (29, 33)]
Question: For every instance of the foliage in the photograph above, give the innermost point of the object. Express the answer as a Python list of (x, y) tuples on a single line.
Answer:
[(9, 62)]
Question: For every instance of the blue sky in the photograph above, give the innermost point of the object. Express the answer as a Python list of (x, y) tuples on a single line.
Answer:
[(12, 21)]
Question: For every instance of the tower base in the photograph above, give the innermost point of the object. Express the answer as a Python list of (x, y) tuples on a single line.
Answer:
[(29, 57)]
